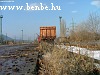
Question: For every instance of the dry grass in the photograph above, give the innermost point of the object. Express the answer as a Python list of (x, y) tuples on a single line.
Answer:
[(98, 46), (62, 62), (88, 45)]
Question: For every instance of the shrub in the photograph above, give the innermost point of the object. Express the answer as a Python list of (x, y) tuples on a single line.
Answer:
[(62, 62)]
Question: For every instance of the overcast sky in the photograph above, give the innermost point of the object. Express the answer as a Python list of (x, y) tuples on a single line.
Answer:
[(30, 20)]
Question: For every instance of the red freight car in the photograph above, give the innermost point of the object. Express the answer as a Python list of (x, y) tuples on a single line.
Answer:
[(48, 33)]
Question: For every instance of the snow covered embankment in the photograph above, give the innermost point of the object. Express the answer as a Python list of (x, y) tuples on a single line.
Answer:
[(83, 51)]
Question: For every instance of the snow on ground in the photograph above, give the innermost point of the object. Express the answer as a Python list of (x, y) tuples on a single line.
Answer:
[(93, 54)]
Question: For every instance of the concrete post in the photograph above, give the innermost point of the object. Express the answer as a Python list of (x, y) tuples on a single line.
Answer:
[(1, 16)]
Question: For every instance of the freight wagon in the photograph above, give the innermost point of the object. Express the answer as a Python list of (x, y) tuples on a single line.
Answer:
[(47, 33)]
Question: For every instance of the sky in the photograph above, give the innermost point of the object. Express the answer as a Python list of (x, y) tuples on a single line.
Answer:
[(29, 21)]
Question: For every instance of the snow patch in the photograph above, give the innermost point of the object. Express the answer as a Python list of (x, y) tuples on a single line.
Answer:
[(83, 51)]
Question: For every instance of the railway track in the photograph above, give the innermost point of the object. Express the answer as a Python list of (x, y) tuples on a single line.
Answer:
[(18, 60)]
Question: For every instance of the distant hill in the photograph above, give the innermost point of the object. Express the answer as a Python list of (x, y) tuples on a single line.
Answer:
[(6, 37), (10, 39)]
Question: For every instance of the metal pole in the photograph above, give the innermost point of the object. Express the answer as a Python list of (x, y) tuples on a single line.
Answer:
[(6, 38), (34, 36), (15, 39), (60, 29), (60, 26), (73, 24), (22, 36), (1, 16)]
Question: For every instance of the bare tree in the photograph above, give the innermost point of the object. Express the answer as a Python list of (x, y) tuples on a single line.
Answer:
[(93, 22), (87, 30)]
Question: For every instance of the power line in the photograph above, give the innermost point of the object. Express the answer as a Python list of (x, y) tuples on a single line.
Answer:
[(73, 24)]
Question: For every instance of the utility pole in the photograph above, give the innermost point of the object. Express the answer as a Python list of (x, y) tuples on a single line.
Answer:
[(15, 40), (22, 36), (73, 24), (60, 26), (64, 28), (6, 38), (1, 16)]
